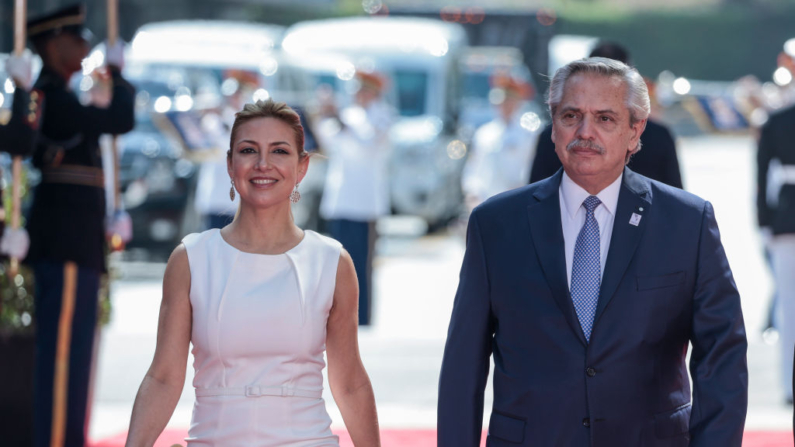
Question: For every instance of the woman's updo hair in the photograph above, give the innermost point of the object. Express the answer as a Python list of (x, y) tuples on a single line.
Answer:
[(270, 109)]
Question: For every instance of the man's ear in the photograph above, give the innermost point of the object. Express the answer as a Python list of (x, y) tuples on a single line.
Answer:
[(637, 131)]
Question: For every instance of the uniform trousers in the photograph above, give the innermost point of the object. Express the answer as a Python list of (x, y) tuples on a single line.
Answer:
[(66, 318), (782, 251), (358, 238)]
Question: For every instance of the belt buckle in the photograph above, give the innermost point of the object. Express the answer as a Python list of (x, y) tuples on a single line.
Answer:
[(288, 392), (253, 391)]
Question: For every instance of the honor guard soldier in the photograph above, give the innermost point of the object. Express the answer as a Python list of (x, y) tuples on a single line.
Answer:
[(18, 133), (502, 149), (776, 212), (67, 222)]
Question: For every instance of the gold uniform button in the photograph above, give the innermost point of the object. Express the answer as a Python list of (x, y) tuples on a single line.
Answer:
[(34, 95), (31, 117)]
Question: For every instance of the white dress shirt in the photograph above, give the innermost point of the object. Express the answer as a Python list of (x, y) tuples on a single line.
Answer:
[(572, 217)]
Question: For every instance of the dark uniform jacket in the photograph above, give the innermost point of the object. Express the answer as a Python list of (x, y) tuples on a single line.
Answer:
[(67, 219), (776, 142), (656, 160), (18, 135)]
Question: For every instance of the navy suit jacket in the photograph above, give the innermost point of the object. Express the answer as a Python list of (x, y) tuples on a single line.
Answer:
[(666, 283)]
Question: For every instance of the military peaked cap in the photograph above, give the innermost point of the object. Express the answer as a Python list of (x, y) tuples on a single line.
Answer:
[(70, 19)]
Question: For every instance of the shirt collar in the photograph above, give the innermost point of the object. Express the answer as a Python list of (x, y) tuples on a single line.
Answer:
[(573, 195)]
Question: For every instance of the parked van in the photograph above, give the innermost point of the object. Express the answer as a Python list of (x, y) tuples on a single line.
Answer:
[(420, 58)]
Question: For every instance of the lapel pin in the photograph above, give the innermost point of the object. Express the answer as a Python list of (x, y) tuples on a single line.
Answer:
[(635, 219)]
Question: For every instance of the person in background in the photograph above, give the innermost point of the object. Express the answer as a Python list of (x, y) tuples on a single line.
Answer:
[(356, 192), (777, 222), (18, 133), (502, 149), (67, 222), (658, 159)]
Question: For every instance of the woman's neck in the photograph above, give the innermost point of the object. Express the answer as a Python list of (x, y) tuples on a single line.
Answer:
[(266, 231)]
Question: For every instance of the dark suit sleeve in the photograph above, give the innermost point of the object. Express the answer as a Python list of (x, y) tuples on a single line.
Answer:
[(546, 162), (765, 153), (672, 175), (718, 360), (465, 366), (117, 118)]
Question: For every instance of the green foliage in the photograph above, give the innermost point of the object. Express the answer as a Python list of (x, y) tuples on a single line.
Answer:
[(16, 300)]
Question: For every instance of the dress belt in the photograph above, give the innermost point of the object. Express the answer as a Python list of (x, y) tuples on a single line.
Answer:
[(787, 174), (257, 391)]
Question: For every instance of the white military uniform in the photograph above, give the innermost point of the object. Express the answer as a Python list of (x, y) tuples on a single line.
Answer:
[(500, 159), (357, 182)]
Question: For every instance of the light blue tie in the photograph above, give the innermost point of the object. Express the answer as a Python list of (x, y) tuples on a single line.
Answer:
[(586, 269)]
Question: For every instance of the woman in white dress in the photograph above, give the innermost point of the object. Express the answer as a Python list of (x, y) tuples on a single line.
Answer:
[(260, 300)]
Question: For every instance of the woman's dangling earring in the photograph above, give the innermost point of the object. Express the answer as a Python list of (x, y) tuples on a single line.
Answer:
[(232, 192), (295, 196)]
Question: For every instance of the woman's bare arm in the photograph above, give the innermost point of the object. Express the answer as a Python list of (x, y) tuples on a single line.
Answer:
[(162, 385), (349, 382)]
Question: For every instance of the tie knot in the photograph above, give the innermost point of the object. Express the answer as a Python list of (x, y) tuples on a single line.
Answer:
[(591, 203)]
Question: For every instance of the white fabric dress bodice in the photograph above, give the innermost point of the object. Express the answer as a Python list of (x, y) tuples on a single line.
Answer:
[(258, 335)]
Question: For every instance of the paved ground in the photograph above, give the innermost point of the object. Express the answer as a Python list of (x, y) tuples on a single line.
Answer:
[(415, 281)]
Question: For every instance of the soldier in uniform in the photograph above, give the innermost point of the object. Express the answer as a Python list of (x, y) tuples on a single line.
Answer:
[(17, 137), (67, 222), (777, 220), (356, 192), (502, 149)]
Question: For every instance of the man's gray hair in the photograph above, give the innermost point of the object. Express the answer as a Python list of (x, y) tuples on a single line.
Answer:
[(638, 101), (637, 93)]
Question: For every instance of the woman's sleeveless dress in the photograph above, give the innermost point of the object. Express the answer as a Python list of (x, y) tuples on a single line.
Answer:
[(259, 334)]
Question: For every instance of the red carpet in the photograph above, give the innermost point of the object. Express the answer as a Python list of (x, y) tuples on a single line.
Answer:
[(427, 438)]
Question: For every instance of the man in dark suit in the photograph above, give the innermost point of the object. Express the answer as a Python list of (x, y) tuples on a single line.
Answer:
[(657, 160), (587, 288)]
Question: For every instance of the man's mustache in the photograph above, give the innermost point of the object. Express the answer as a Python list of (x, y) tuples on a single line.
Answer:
[(585, 144)]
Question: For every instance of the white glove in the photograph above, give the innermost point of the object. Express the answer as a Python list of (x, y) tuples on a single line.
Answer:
[(15, 242), (21, 70), (120, 224), (114, 54), (766, 235)]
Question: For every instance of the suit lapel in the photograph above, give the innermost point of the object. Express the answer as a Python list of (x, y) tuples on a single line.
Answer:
[(634, 198), (546, 234)]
